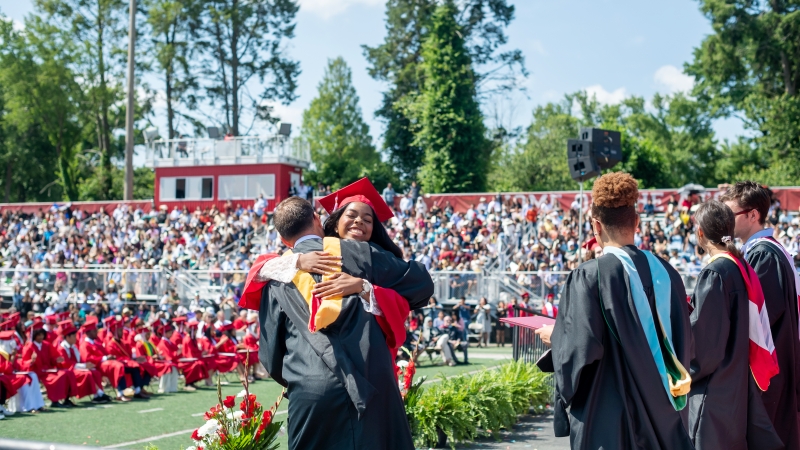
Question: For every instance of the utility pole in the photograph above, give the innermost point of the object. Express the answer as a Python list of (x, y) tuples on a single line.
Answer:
[(130, 107)]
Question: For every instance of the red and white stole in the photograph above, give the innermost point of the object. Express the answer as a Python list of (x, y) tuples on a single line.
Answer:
[(763, 358)]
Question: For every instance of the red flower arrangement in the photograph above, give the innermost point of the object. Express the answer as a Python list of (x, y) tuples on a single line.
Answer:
[(248, 428)]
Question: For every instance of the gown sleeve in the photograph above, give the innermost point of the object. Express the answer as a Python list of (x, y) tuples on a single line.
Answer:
[(577, 339), (711, 323), (394, 312), (272, 342), (408, 278)]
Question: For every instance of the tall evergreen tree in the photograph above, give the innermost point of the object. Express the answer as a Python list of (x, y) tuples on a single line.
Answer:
[(339, 139), (446, 116), (396, 61)]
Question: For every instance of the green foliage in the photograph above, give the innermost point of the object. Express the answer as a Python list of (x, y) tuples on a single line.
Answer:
[(670, 144), (397, 61), (750, 67), (446, 115), (339, 140), (468, 406)]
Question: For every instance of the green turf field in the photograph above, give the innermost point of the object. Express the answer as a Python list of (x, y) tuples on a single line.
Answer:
[(118, 423)]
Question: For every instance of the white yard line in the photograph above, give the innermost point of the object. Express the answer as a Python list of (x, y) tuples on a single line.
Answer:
[(145, 411)]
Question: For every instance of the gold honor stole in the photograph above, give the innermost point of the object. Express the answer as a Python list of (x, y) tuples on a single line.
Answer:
[(321, 312)]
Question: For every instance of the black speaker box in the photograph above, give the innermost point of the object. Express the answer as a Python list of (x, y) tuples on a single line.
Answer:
[(606, 144), (581, 160)]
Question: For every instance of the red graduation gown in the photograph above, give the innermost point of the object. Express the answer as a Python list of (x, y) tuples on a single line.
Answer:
[(60, 384), (124, 354), (88, 381), (223, 364), (191, 349), (250, 342), (161, 366), (193, 371), (94, 352), (11, 381)]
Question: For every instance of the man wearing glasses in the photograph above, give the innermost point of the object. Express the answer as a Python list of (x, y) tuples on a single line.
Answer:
[(779, 281)]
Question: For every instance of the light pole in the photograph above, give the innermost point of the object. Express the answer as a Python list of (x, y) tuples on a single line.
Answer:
[(130, 107)]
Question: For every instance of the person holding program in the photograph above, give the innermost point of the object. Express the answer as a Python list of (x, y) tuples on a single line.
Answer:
[(622, 340)]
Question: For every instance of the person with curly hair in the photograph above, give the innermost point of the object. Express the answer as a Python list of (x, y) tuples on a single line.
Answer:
[(622, 341)]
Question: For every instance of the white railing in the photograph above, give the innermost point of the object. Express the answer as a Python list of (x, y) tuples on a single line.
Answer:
[(235, 150), (146, 284)]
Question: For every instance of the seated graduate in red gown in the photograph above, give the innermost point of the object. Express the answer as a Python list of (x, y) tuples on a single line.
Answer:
[(180, 330), (12, 383), (166, 370), (211, 342), (192, 351), (38, 357), (193, 369), (93, 350), (229, 347), (123, 353), (88, 377)]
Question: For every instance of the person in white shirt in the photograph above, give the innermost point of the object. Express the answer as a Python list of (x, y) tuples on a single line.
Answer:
[(406, 203)]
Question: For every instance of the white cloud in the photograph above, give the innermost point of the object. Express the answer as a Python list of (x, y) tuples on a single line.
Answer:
[(329, 8), (673, 79), (538, 47), (291, 114), (606, 97)]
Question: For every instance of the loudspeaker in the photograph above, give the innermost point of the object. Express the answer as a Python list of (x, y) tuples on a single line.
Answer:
[(606, 144), (581, 160)]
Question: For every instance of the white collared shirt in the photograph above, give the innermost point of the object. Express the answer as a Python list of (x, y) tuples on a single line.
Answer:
[(305, 238)]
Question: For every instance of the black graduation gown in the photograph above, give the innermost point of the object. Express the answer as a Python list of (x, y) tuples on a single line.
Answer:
[(613, 390), (783, 396), (719, 403), (342, 390)]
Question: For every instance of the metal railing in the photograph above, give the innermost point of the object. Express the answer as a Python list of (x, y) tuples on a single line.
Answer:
[(147, 284), (527, 346), (230, 150)]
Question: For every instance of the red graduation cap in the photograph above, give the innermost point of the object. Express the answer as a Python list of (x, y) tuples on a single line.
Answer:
[(179, 319), (63, 315), (361, 191), (89, 325), (7, 325), (7, 335), (14, 318), (590, 243), (51, 319), (66, 327), (239, 324)]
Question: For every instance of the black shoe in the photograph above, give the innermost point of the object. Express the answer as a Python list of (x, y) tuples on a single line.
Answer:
[(106, 398), (99, 400), (140, 396), (68, 403), (58, 405)]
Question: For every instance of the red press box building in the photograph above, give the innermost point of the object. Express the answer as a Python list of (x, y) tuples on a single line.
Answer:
[(202, 172)]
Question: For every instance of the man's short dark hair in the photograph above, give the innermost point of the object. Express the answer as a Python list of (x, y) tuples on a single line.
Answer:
[(749, 195), (292, 217)]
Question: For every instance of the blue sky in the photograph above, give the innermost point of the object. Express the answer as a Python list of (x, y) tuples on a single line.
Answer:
[(610, 48)]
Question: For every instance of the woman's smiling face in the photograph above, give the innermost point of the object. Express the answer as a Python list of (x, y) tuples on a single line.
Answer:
[(356, 222)]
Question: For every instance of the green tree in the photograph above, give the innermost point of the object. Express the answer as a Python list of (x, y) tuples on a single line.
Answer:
[(446, 118), (750, 67), (98, 30), (339, 139), (244, 43), (397, 61), (171, 31), (41, 93)]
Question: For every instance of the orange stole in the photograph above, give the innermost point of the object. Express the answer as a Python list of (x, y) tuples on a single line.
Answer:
[(322, 312)]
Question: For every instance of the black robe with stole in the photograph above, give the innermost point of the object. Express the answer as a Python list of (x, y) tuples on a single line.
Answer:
[(612, 387), (343, 393), (782, 399), (725, 408)]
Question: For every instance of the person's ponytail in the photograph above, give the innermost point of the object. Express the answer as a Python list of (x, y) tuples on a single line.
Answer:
[(717, 221)]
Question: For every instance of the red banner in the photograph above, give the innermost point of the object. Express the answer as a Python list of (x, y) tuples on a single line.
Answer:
[(789, 198)]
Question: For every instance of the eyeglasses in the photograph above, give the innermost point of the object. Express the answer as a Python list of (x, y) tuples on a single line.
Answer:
[(744, 211)]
